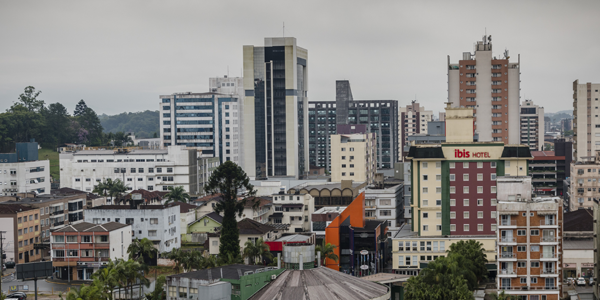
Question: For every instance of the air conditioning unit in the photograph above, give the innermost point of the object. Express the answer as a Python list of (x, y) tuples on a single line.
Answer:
[(273, 277)]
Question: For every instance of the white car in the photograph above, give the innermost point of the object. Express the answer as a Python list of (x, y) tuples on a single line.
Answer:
[(581, 281)]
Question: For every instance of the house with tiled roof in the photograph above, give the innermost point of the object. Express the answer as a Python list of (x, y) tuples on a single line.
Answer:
[(259, 212), (249, 230), (81, 249)]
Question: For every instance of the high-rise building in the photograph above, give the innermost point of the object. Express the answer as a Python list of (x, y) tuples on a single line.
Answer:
[(532, 126), (355, 159), (275, 109), (586, 123), (530, 249), (208, 122), (413, 119), (454, 193), (23, 172), (380, 117), (490, 85)]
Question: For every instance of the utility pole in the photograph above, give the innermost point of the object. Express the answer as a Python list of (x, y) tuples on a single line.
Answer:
[(2, 257)]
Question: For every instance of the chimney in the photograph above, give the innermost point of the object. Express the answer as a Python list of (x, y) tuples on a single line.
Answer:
[(301, 263), (278, 260), (318, 259)]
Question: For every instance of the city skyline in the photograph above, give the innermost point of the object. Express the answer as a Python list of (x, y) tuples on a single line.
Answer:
[(119, 57)]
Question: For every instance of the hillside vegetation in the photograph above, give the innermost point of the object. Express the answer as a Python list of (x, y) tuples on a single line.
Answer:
[(143, 124)]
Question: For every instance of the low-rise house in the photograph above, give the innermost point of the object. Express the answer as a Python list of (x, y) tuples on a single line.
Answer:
[(321, 218), (188, 213), (210, 222), (293, 210), (159, 223), (81, 249), (207, 203), (578, 244), (235, 282), (260, 213), (249, 230)]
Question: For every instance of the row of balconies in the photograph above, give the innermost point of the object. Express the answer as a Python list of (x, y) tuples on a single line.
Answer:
[(513, 223)]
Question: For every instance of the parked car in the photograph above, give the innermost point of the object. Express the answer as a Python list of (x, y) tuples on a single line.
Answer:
[(591, 281), (17, 295), (10, 264), (581, 281)]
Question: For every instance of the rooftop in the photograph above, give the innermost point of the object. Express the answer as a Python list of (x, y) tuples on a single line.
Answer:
[(320, 284), (91, 227), (45, 198), (213, 215), (330, 209), (227, 272), (248, 226), (578, 244), (132, 152), (127, 207), (294, 238), (405, 233), (325, 185), (579, 220), (7, 209)]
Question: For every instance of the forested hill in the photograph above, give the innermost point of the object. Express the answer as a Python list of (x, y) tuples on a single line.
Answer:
[(143, 124)]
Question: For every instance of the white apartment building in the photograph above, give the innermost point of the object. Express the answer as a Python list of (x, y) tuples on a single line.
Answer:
[(413, 119), (151, 170), (208, 122), (385, 202), (490, 85), (355, 159), (586, 120), (159, 223), (22, 172), (294, 210), (532, 125)]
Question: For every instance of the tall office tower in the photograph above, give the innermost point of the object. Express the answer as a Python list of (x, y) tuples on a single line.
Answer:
[(380, 117), (275, 109), (413, 120), (586, 123), (532, 125), (491, 86), (208, 122)]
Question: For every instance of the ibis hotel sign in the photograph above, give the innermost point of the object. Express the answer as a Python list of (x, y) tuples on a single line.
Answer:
[(493, 151)]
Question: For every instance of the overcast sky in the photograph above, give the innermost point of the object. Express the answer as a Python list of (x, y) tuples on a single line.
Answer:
[(121, 55)]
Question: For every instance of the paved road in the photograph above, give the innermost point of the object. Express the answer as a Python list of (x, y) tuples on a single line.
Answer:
[(43, 286)]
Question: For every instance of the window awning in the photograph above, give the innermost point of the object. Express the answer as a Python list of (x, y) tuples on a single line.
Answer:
[(292, 205), (514, 213), (546, 213), (276, 215)]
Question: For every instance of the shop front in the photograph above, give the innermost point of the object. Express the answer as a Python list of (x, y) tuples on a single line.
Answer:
[(587, 270), (569, 271)]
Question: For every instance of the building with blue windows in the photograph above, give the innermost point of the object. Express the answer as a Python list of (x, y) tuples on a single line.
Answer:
[(208, 122)]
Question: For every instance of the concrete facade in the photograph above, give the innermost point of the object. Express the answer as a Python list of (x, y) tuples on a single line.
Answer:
[(160, 224), (412, 119), (584, 184), (385, 202), (275, 109), (586, 123), (532, 125), (22, 172), (489, 85), (138, 169), (356, 157), (294, 210), (209, 122)]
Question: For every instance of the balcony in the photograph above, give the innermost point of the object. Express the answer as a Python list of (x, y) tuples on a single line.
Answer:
[(507, 241), (549, 273), (507, 223), (548, 240), (507, 273), (56, 224), (548, 256), (57, 212), (507, 256), (548, 223)]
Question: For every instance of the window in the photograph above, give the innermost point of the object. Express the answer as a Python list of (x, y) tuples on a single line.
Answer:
[(466, 227), (452, 177), (523, 280), (86, 239), (424, 176), (71, 239), (479, 202), (465, 165), (438, 190), (493, 189), (535, 248), (479, 165), (493, 202), (493, 176), (493, 227), (534, 280), (521, 264), (182, 292), (452, 190), (479, 227), (425, 215), (423, 164), (452, 227), (521, 232), (425, 190), (452, 215), (480, 177), (479, 215), (535, 232), (493, 164), (438, 202), (438, 177), (425, 227), (465, 202), (465, 177), (535, 264), (438, 215), (452, 165), (452, 202), (465, 189), (151, 232), (466, 214), (425, 202), (493, 214)]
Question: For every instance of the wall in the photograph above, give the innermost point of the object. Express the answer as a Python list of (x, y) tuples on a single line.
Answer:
[(356, 212), (8, 224), (201, 227), (119, 240), (22, 180)]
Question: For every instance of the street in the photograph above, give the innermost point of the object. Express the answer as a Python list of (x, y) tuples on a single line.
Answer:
[(43, 286)]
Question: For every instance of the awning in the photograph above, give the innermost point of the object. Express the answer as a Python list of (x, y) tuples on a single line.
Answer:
[(514, 213), (276, 215), (292, 205), (545, 213), (546, 190)]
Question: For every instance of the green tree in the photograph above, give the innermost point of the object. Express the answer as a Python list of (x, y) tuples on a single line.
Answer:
[(86, 292), (439, 281), (90, 122), (503, 296), (475, 258), (568, 133), (177, 194), (230, 180), (180, 258), (108, 278), (256, 250), (29, 99), (117, 188), (327, 252), (57, 125), (140, 250), (80, 108), (159, 289)]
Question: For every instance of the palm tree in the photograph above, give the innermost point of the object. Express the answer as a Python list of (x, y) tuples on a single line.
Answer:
[(177, 194), (256, 250), (86, 292), (159, 290), (327, 251), (108, 279), (117, 189), (180, 258), (139, 250)]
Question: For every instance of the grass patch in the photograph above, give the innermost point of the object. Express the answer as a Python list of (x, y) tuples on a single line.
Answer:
[(160, 270), (45, 154)]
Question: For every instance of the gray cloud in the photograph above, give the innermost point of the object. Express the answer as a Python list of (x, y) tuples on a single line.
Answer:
[(120, 55)]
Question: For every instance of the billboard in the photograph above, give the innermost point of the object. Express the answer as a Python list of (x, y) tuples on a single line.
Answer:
[(34, 270)]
